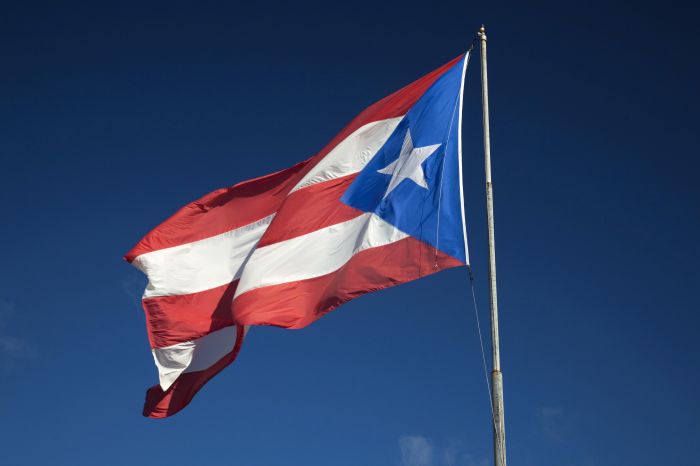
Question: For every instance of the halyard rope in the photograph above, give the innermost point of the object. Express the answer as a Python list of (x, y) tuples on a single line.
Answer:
[(483, 356)]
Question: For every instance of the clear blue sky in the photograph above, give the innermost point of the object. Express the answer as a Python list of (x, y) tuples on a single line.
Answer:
[(113, 117)]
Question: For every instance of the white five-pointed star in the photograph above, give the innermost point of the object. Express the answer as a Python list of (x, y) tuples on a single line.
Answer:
[(408, 165)]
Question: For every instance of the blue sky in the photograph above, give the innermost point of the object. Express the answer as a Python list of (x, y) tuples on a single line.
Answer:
[(113, 117)]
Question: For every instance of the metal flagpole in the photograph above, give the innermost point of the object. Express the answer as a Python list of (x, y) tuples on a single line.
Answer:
[(499, 432)]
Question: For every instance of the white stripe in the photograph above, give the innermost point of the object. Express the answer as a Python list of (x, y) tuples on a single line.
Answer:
[(317, 253), (459, 158), (192, 356), (351, 154), (200, 265)]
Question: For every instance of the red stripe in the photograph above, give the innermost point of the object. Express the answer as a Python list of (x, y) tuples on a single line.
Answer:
[(310, 209), (394, 105), (221, 211), (297, 304), (176, 319), (160, 404), (246, 202)]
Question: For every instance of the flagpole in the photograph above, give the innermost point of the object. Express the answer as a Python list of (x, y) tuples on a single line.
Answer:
[(499, 433)]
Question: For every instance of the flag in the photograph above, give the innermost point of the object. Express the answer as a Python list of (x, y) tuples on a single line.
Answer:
[(380, 205)]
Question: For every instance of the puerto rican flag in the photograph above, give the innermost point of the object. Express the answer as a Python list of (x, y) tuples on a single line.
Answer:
[(380, 205)]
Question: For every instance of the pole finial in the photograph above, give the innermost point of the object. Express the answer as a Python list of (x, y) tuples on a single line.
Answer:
[(482, 32)]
